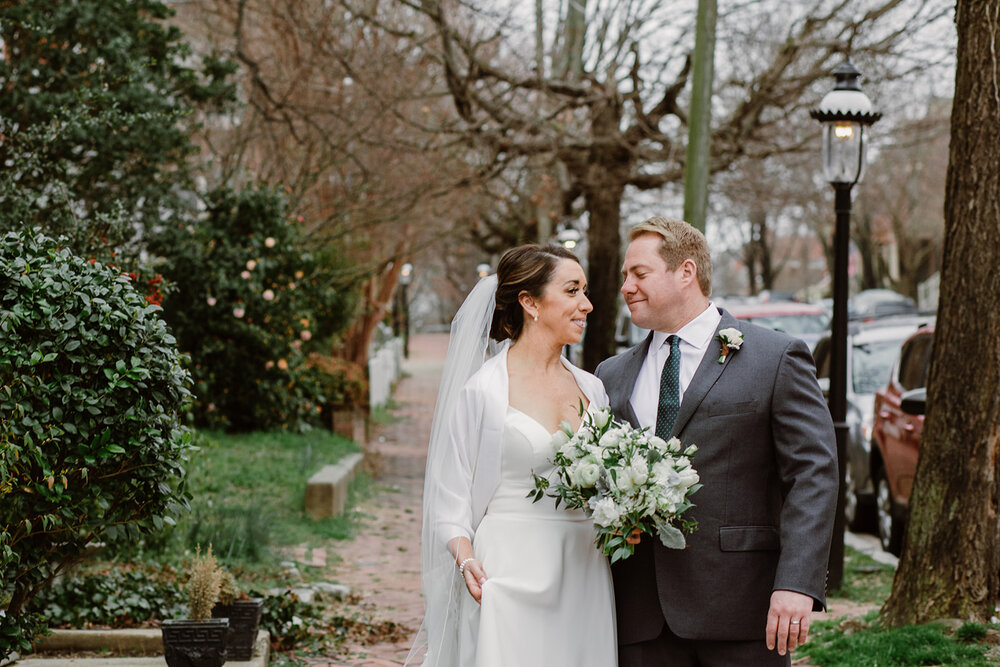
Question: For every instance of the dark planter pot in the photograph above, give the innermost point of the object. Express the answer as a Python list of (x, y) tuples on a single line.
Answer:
[(195, 643), (244, 620)]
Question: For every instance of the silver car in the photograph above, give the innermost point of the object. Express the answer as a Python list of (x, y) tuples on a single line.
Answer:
[(872, 348)]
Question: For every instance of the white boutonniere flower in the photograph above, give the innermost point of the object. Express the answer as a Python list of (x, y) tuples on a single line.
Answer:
[(731, 339)]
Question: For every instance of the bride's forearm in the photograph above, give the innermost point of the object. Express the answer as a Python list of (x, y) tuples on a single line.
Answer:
[(461, 548)]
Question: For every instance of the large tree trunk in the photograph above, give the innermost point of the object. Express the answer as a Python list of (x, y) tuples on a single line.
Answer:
[(603, 264), (604, 176), (951, 557)]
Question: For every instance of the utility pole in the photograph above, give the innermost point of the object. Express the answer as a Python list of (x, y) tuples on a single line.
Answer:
[(700, 116)]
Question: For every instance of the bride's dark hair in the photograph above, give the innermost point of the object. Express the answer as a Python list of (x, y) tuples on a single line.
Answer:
[(526, 268)]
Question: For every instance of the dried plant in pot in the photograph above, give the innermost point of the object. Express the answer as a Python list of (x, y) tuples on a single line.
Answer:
[(199, 640), (244, 615)]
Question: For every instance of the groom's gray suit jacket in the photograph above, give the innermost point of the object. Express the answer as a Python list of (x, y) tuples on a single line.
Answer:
[(767, 459)]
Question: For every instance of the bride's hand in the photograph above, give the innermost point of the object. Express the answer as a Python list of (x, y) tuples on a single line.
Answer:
[(475, 577), (635, 537)]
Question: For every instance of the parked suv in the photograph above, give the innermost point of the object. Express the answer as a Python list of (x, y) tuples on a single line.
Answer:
[(872, 348), (896, 437)]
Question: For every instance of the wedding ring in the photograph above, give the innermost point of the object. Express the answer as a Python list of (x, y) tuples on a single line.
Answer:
[(793, 623)]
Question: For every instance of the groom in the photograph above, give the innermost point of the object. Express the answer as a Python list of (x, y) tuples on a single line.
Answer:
[(742, 591)]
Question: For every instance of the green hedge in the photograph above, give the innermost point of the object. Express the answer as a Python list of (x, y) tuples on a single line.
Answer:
[(91, 392)]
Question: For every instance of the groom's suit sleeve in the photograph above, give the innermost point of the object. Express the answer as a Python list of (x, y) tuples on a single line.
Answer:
[(806, 458)]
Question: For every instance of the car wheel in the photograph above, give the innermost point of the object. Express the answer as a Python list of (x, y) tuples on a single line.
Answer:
[(858, 516), (890, 530)]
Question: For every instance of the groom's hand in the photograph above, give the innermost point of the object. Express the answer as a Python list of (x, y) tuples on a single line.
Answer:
[(788, 620)]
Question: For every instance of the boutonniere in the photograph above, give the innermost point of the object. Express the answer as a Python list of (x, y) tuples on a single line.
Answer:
[(731, 339)]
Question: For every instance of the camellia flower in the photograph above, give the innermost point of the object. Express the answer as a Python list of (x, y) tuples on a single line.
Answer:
[(282, 364), (269, 242), (305, 334), (251, 264), (269, 365), (245, 275), (210, 300), (239, 312), (299, 274), (268, 295)]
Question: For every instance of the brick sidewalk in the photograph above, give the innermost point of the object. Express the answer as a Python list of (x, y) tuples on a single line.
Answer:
[(382, 563)]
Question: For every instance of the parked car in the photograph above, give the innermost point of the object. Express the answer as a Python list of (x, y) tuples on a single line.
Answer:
[(802, 320), (872, 348), (873, 303), (896, 436)]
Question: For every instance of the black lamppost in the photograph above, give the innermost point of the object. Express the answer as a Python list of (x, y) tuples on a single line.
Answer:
[(405, 278), (845, 113)]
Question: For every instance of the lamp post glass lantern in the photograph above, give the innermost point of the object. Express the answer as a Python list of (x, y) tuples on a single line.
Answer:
[(846, 114)]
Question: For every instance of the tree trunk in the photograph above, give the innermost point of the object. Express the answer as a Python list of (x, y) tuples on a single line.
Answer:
[(950, 566), (604, 174), (603, 204)]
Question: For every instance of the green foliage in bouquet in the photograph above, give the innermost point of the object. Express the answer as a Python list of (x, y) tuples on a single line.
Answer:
[(625, 479), (96, 118), (249, 303), (91, 393)]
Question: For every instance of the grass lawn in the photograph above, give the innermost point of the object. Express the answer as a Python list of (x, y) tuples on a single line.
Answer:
[(856, 639), (252, 487), (247, 499)]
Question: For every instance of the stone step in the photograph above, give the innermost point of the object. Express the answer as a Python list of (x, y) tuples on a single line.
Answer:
[(326, 491), (140, 640)]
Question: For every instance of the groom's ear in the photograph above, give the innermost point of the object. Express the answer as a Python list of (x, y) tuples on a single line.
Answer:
[(689, 272)]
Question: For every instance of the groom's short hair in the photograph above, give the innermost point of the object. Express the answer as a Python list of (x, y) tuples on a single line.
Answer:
[(679, 241)]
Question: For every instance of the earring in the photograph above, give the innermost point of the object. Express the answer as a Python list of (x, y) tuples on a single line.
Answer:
[(536, 318)]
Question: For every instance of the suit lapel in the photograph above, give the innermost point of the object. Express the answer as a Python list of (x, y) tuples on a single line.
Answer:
[(708, 373), (621, 395)]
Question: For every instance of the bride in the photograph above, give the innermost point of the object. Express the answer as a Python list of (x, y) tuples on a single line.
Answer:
[(508, 582)]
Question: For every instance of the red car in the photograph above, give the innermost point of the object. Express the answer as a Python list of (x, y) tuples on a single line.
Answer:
[(896, 436)]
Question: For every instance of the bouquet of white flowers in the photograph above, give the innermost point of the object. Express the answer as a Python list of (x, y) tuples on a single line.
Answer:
[(625, 479)]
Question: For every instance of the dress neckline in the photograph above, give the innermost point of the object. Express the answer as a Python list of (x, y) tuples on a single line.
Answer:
[(540, 424)]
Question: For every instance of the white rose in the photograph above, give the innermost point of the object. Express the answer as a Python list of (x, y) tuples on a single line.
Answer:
[(606, 512), (588, 474), (602, 417), (674, 444), (638, 469), (658, 443), (661, 473), (688, 477), (610, 439)]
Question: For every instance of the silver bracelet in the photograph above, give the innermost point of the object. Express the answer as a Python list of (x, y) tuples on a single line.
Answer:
[(461, 566)]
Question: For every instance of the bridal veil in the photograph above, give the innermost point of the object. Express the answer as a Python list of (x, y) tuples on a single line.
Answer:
[(436, 643)]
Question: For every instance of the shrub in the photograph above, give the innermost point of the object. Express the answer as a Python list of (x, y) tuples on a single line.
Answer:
[(249, 302), (114, 597), (91, 389)]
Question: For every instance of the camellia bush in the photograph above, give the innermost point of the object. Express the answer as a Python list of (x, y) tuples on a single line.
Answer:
[(92, 389), (249, 301)]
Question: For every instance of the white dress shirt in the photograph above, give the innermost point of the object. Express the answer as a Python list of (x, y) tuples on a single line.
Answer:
[(695, 337)]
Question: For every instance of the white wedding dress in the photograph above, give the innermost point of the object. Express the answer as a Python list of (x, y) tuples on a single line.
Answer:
[(548, 601)]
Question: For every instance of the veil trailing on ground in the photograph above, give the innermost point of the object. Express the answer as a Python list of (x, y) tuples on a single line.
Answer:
[(437, 640)]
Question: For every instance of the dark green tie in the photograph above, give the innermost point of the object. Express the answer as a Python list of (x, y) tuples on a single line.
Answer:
[(670, 390)]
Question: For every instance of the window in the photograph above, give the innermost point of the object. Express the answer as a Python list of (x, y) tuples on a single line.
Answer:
[(915, 362)]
